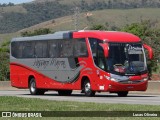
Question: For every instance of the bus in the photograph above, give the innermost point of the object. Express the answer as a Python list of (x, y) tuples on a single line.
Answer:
[(86, 60)]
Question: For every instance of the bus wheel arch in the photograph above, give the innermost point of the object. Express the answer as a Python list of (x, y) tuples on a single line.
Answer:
[(86, 87)]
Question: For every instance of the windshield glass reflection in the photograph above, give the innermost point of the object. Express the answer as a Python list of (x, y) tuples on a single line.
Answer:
[(126, 58)]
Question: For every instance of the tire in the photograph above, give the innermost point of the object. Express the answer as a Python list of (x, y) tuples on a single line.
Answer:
[(64, 92), (33, 90), (122, 94), (87, 89)]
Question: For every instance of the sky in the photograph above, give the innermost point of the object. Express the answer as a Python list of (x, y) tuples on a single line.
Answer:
[(14, 1)]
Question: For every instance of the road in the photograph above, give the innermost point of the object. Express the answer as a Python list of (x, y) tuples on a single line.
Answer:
[(99, 97)]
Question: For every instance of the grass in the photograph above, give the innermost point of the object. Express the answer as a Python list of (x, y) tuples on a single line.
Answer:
[(28, 104), (8, 36)]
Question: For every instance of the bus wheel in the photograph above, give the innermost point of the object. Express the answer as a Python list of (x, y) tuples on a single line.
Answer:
[(87, 89), (64, 92), (122, 94), (32, 88)]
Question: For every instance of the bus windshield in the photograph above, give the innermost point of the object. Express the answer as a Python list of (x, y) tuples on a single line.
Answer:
[(126, 58)]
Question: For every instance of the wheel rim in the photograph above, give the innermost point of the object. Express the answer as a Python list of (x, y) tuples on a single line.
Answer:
[(33, 86), (87, 87)]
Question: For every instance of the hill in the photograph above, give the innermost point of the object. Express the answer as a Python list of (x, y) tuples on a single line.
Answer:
[(112, 18), (14, 18)]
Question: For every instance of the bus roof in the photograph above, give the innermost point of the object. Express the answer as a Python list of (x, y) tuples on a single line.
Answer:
[(56, 35), (110, 36)]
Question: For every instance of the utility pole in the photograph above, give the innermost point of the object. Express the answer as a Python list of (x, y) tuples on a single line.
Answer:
[(75, 17)]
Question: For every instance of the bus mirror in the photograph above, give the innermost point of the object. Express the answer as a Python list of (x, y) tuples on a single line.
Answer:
[(105, 48), (150, 51)]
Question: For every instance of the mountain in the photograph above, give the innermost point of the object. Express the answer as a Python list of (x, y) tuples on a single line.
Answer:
[(17, 17)]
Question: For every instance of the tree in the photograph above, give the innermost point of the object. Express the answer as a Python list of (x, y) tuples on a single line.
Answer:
[(84, 5), (4, 64), (40, 31), (98, 27)]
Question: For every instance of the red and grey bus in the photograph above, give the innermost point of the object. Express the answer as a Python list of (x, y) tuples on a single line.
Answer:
[(90, 61)]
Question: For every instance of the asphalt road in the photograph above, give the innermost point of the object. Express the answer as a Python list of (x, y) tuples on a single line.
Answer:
[(99, 97)]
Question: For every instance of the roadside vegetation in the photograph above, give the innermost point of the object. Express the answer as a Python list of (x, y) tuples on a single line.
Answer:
[(9, 103)]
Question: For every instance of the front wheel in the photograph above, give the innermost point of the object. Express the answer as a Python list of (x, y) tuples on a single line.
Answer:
[(122, 94), (87, 89)]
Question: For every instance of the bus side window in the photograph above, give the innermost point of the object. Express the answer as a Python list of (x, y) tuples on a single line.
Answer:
[(97, 53), (66, 48), (53, 49), (80, 48), (101, 57), (93, 45), (41, 49), (28, 50), (16, 49)]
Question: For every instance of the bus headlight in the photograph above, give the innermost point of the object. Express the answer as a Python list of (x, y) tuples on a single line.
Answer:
[(113, 79), (145, 79)]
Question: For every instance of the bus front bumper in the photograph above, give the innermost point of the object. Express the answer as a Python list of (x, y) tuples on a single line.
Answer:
[(116, 86)]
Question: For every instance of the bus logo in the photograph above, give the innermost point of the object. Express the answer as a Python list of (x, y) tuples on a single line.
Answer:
[(6, 114)]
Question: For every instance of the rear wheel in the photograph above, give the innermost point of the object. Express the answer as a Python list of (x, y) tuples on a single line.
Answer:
[(64, 92), (87, 89), (32, 88), (122, 94)]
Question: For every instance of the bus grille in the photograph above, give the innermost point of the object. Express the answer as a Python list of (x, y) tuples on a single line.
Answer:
[(131, 82)]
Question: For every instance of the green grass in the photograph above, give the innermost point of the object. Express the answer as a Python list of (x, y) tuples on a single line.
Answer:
[(28, 104)]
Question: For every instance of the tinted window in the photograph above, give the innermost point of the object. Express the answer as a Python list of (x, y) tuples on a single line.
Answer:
[(28, 50), (80, 49), (66, 48), (98, 52), (53, 49), (16, 49), (41, 49), (93, 44)]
